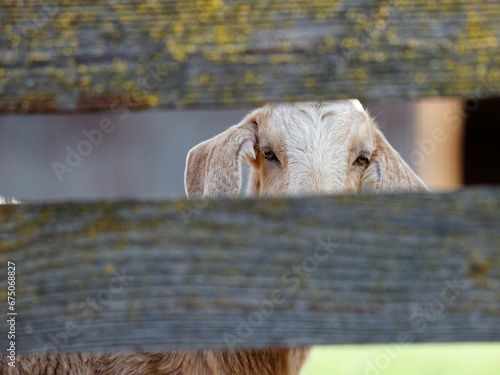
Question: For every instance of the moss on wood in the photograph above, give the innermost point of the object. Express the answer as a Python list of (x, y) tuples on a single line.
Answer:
[(109, 54)]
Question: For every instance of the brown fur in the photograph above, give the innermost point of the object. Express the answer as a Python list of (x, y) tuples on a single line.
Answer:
[(208, 362)]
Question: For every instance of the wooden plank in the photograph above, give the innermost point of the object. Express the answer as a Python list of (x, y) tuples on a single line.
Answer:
[(99, 276), (99, 55)]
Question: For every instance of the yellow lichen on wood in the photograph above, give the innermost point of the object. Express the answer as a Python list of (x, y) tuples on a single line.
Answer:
[(343, 44)]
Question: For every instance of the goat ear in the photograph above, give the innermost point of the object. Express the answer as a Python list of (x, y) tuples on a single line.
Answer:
[(213, 167), (388, 172)]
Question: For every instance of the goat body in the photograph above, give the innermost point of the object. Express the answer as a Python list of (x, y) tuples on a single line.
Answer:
[(208, 362), (293, 149)]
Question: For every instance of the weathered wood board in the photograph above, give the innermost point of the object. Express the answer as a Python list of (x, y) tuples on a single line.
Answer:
[(101, 55), (112, 276)]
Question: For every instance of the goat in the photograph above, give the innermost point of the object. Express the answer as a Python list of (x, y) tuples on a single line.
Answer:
[(293, 149), (300, 149)]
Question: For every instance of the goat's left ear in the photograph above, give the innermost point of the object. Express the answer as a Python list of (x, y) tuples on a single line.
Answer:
[(213, 167), (388, 172)]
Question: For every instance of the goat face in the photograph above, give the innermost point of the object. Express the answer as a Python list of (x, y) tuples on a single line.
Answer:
[(299, 149)]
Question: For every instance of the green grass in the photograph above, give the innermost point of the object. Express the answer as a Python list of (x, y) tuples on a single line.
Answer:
[(415, 359)]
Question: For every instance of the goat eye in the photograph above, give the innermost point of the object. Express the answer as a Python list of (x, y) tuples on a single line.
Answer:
[(362, 160), (268, 154)]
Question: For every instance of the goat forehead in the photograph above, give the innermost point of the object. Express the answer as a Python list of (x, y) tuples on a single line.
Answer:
[(309, 126)]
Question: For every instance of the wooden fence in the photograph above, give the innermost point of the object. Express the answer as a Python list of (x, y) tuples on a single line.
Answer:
[(255, 272), (106, 54)]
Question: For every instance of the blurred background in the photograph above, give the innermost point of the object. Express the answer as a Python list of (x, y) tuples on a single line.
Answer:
[(143, 153)]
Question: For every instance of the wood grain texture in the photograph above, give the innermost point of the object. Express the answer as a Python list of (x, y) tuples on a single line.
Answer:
[(101, 55), (102, 276)]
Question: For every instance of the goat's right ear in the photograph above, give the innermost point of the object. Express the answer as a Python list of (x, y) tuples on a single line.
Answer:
[(213, 167)]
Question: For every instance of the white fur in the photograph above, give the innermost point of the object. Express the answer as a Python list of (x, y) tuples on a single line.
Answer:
[(316, 144)]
